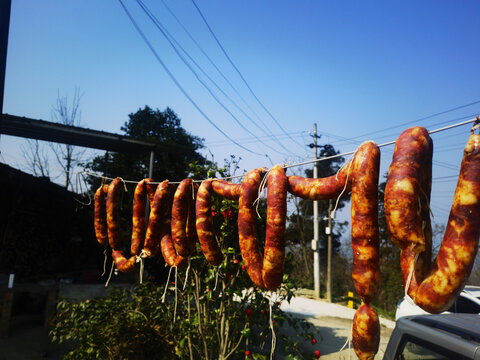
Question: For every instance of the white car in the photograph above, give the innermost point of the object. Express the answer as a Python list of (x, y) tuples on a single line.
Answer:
[(467, 302)]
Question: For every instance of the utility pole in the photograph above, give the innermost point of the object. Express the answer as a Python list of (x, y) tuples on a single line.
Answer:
[(328, 231), (315, 242)]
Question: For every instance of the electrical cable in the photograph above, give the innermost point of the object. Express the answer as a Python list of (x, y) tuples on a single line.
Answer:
[(418, 120), (217, 68), (180, 87), (171, 41), (240, 74)]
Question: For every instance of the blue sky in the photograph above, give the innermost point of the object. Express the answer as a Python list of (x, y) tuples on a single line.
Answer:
[(352, 67)]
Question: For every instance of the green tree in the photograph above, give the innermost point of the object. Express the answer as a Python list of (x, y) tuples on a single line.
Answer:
[(175, 150)]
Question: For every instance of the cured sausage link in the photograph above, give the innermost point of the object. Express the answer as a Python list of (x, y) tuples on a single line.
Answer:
[(424, 258), (226, 189), (113, 202), (274, 255), (191, 228), (139, 217), (365, 332), (321, 189), (100, 215), (166, 243), (122, 263), (247, 229), (365, 237), (179, 217), (403, 197), (460, 243), (204, 223), (158, 211)]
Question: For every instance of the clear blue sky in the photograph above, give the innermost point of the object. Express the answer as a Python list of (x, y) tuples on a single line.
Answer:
[(352, 67)]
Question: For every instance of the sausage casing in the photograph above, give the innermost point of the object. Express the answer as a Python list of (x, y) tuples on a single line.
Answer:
[(139, 217), (100, 215), (403, 197), (365, 332), (226, 189), (122, 263), (166, 243), (274, 255), (113, 203), (179, 217), (365, 236), (204, 222), (247, 229), (320, 189), (158, 212), (460, 242)]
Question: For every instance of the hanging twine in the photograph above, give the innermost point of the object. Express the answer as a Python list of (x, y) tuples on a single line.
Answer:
[(104, 262), (409, 279), (166, 285), (186, 275), (142, 268), (216, 277), (110, 276), (274, 338)]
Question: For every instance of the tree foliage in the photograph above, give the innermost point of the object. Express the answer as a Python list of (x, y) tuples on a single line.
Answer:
[(175, 148)]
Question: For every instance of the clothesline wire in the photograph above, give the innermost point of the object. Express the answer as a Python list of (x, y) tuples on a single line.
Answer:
[(477, 119)]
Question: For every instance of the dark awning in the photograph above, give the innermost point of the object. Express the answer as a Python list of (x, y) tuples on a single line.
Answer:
[(72, 135)]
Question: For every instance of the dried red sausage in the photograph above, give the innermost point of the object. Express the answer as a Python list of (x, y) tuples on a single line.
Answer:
[(274, 255), (247, 229), (179, 218), (122, 263), (365, 236), (460, 243), (320, 189), (204, 223), (226, 189), (166, 243), (113, 202), (100, 215), (365, 332), (139, 217), (158, 212), (403, 198)]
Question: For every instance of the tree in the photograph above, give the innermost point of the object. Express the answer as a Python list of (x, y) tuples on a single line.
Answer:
[(176, 148), (36, 158), (68, 157)]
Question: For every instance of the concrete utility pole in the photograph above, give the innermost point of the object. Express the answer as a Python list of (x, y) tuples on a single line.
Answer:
[(328, 231), (315, 242)]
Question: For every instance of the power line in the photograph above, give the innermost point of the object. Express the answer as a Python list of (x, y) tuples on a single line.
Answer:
[(240, 74), (171, 41), (216, 67), (418, 120), (172, 77)]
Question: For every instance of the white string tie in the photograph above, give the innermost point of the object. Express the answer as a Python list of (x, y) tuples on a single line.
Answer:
[(166, 286), (110, 276)]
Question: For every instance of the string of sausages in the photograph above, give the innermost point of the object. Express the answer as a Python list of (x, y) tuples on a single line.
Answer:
[(179, 216)]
